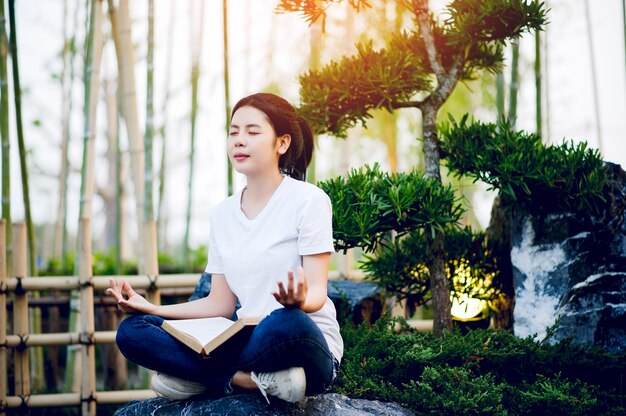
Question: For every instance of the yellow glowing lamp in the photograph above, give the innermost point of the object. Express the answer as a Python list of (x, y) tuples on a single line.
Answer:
[(466, 309)]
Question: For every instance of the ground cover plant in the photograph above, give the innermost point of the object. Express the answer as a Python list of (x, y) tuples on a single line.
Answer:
[(487, 372)]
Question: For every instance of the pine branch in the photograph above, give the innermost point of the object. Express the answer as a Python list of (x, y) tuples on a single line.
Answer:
[(420, 8)]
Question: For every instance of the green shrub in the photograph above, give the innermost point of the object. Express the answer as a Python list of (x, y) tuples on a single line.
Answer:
[(400, 266), (454, 391), (554, 396), (484, 372), (369, 203), (536, 177)]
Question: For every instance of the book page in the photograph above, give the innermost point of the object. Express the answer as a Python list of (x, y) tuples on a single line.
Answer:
[(204, 329)]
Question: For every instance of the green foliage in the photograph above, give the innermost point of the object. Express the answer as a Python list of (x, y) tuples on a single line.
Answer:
[(454, 391), (555, 396), (104, 264), (533, 176), (400, 266), (471, 21), (369, 203), (484, 372), (343, 93)]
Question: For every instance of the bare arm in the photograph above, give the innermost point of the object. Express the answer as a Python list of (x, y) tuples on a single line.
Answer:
[(220, 302), (311, 290)]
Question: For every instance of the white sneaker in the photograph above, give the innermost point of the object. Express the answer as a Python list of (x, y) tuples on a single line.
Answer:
[(175, 388), (288, 385)]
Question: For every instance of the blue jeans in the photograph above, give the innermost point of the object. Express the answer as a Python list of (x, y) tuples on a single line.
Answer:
[(285, 338)]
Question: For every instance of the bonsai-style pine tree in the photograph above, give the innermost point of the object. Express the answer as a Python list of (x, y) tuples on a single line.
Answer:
[(417, 69)]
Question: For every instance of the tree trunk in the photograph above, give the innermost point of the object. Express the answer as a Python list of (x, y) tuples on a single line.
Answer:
[(435, 255), (4, 133)]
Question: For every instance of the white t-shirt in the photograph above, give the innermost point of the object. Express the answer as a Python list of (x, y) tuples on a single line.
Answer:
[(254, 254)]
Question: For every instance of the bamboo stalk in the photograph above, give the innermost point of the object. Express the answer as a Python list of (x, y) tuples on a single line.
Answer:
[(61, 338), (3, 316), (67, 79), (87, 324), (196, 51), (229, 168), (20, 311), (4, 135), (514, 86), (152, 262), (148, 212), (163, 131), (17, 96), (73, 399), (101, 283), (538, 96), (121, 33), (93, 59), (594, 76), (500, 94)]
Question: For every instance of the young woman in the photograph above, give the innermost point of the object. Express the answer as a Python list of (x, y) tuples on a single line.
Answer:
[(270, 248)]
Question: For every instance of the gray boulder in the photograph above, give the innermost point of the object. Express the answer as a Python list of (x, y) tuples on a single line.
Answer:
[(355, 301), (570, 270), (254, 404)]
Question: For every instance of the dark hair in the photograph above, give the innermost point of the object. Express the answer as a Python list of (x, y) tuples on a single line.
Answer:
[(285, 120)]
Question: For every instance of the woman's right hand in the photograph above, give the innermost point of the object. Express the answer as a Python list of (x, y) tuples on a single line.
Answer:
[(129, 301)]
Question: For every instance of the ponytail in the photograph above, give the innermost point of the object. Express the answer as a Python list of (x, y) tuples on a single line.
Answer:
[(284, 119)]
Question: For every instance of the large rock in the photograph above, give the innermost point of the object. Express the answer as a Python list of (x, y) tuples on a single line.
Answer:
[(254, 404), (354, 300), (573, 267)]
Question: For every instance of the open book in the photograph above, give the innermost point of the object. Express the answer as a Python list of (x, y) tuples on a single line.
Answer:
[(204, 335)]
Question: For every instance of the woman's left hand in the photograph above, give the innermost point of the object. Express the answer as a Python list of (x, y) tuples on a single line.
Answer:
[(295, 295)]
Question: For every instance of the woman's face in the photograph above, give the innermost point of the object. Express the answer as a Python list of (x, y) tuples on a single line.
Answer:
[(252, 144)]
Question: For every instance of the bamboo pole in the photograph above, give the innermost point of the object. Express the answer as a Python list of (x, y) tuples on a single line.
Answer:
[(86, 321), (73, 399), (594, 76), (196, 51), (162, 239), (20, 311), (4, 135), (152, 262), (61, 338), (148, 211), (538, 96), (121, 33), (227, 109), (3, 316), (101, 283), (514, 86), (17, 96)]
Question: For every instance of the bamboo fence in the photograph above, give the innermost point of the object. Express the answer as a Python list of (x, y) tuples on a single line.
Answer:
[(19, 285)]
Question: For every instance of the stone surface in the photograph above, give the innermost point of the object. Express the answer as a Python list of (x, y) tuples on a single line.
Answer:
[(354, 300), (254, 404), (573, 267)]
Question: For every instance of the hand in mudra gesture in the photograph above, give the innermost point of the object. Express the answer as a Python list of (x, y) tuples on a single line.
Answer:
[(295, 295), (128, 301)]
